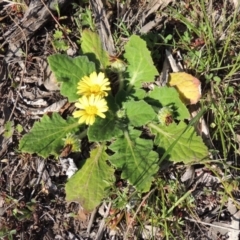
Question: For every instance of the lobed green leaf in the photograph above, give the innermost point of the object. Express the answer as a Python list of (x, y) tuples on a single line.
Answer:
[(134, 156), (140, 65), (139, 113), (104, 129), (89, 185), (69, 71), (180, 141), (168, 96), (45, 137), (92, 47)]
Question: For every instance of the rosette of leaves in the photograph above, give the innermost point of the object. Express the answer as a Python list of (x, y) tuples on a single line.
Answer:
[(120, 142)]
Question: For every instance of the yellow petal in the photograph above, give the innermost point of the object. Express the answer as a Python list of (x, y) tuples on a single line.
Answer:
[(83, 118), (83, 102), (93, 76), (188, 86), (100, 77), (90, 120), (78, 114), (101, 115)]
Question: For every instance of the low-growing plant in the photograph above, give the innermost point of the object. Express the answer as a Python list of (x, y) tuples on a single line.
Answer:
[(83, 18), (5, 233), (59, 42), (133, 129), (17, 209), (9, 129)]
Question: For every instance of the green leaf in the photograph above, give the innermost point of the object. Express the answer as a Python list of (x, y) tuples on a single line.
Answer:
[(139, 112), (19, 128), (121, 97), (105, 129), (134, 95), (69, 71), (170, 97), (61, 45), (92, 47), (58, 35), (141, 68), (45, 138), (181, 142), (89, 185), (8, 129), (134, 156), (138, 94)]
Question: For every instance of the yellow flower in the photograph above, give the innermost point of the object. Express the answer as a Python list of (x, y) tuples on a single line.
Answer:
[(94, 84), (90, 107), (72, 141)]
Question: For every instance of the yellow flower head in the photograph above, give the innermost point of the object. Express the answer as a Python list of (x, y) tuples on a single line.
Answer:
[(95, 84), (165, 116), (73, 141), (90, 107)]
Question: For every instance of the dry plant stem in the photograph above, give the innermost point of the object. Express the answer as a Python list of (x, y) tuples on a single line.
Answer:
[(48, 216), (212, 225), (13, 2), (40, 173), (102, 224), (135, 214), (11, 176), (152, 7), (91, 221), (172, 62)]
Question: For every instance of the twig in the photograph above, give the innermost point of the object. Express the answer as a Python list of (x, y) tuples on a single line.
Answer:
[(102, 224), (212, 225), (14, 170), (40, 173), (91, 221)]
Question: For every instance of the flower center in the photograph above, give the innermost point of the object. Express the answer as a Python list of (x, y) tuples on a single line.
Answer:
[(95, 88), (91, 110)]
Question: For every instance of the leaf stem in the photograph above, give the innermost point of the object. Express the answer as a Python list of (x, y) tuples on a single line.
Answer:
[(129, 88), (83, 134), (154, 126), (121, 81)]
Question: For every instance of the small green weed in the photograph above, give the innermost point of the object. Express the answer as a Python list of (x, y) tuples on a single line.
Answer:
[(83, 18), (5, 233), (20, 211), (9, 129), (59, 42)]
